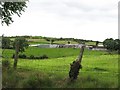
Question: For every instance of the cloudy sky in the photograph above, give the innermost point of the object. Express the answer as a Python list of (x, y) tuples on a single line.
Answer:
[(83, 19)]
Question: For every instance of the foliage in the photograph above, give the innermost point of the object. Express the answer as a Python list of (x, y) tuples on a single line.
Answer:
[(33, 57), (22, 42), (68, 42), (112, 44), (117, 47), (10, 8), (52, 40), (22, 56), (6, 42), (97, 42)]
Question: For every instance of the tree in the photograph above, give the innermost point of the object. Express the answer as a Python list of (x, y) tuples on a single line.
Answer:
[(68, 42), (51, 41), (112, 44), (20, 44), (97, 42), (5, 43), (7, 9), (117, 47)]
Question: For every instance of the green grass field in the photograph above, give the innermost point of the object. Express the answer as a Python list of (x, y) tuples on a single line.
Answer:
[(100, 70), (53, 52), (43, 41), (38, 41)]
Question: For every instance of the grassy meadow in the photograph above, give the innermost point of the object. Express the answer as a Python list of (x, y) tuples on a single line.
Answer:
[(99, 69)]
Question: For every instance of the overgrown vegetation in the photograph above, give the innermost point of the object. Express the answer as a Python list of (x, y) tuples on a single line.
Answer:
[(112, 45), (98, 69)]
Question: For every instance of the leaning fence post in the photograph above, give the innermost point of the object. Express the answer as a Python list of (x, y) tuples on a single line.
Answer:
[(76, 65)]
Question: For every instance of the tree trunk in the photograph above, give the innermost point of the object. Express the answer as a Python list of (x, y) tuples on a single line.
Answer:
[(16, 55), (75, 66)]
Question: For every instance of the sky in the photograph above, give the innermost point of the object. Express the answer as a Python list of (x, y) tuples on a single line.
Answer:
[(82, 19)]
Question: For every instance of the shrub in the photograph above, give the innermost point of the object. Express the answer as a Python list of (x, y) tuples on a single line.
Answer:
[(44, 57), (38, 57), (31, 57), (22, 56)]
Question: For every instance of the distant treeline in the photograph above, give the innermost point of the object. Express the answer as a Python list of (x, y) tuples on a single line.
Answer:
[(56, 39), (110, 44)]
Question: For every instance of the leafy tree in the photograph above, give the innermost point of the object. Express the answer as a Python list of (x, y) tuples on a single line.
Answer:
[(47, 39), (117, 47), (20, 44), (7, 9), (111, 44), (97, 42), (52, 40), (68, 42), (6, 42)]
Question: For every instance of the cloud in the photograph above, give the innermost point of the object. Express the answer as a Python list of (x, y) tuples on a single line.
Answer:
[(87, 19), (79, 9)]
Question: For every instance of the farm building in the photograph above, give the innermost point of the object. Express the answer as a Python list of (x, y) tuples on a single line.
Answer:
[(57, 45)]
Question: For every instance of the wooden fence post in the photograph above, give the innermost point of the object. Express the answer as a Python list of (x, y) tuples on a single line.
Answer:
[(76, 65)]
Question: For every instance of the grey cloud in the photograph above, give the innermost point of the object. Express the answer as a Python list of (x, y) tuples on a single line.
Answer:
[(76, 9)]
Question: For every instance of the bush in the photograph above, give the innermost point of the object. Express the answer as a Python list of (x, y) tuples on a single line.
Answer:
[(44, 57), (31, 57), (39, 57), (22, 56)]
